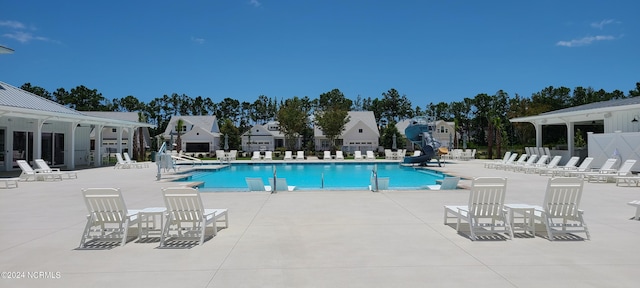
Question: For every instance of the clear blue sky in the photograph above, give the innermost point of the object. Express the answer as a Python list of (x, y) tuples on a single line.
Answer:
[(430, 51)]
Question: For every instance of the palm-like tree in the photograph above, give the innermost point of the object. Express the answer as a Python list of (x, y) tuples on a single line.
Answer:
[(179, 125)]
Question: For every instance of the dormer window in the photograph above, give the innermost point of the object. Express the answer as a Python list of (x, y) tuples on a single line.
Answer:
[(360, 130)]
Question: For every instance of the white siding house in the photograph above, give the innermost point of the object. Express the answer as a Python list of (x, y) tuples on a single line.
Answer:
[(199, 134), (360, 133), (265, 137)]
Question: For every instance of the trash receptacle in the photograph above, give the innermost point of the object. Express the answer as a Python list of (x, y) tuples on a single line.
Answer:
[(153, 156)]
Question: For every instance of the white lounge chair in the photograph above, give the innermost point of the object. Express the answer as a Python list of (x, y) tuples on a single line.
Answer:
[(43, 167), (288, 156), (606, 175), (183, 157), (28, 173), (560, 211), (357, 155), (120, 163), (491, 164), (635, 203), (370, 155), (584, 167), (510, 161), (256, 156), (607, 167), (533, 168), (187, 218), (327, 155), (339, 155), (281, 185), (10, 182), (255, 184), (108, 219), (531, 160), (417, 153), (521, 160), (300, 155), (571, 164), (383, 184), (448, 183), (485, 211), (268, 155)]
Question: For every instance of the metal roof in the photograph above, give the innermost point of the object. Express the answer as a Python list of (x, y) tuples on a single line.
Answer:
[(20, 103), (584, 113)]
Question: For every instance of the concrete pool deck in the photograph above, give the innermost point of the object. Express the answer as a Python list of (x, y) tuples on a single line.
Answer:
[(316, 239)]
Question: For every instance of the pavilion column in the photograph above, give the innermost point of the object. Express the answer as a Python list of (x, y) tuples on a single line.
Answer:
[(98, 146), (119, 145), (538, 134), (130, 131), (70, 146), (570, 136), (37, 140)]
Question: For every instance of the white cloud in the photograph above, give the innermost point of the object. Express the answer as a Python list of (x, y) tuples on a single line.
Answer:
[(197, 40), (24, 37), (601, 24), (255, 3), (12, 24), (585, 41)]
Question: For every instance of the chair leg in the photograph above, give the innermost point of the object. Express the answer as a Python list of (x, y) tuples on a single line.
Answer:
[(203, 229), (86, 232), (165, 230), (125, 231)]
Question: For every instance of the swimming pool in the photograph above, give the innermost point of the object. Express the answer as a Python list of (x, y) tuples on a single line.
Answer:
[(314, 176)]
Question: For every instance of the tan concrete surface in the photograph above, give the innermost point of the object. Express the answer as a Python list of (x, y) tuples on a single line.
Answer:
[(316, 239)]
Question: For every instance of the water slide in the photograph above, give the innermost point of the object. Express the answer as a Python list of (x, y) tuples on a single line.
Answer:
[(418, 133)]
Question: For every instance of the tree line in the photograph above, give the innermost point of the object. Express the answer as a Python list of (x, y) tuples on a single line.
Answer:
[(484, 118)]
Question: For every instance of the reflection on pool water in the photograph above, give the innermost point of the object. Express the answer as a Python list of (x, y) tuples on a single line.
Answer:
[(314, 176)]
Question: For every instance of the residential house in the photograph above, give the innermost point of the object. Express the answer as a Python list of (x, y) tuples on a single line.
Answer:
[(360, 133), (266, 137), (111, 135), (199, 134)]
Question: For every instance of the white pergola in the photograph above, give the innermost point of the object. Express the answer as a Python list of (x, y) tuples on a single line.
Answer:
[(615, 115)]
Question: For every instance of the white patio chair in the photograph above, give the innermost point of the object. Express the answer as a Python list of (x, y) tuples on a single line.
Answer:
[(485, 210), (417, 153), (357, 155), (221, 155), (233, 154), (281, 185), (255, 184), (268, 155), (288, 156), (327, 155), (44, 167), (108, 219), (560, 211), (370, 155), (256, 156), (571, 164), (448, 183), (339, 155), (187, 218), (300, 155), (28, 173)]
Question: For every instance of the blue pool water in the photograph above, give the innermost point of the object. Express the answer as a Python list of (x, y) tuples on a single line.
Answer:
[(314, 176)]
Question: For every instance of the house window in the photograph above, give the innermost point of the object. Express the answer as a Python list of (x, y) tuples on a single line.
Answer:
[(113, 130), (360, 130), (441, 129)]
